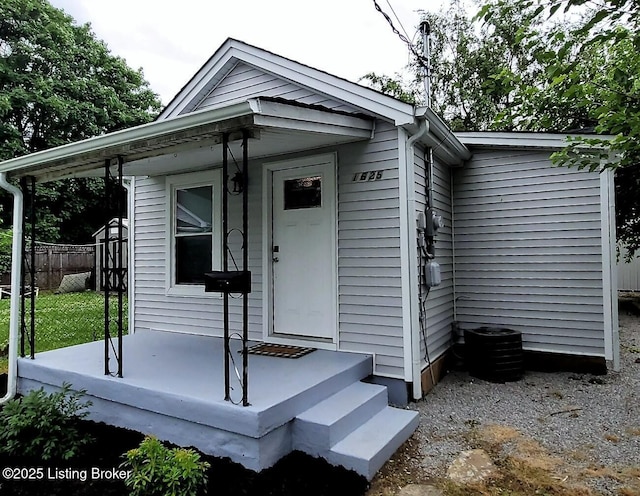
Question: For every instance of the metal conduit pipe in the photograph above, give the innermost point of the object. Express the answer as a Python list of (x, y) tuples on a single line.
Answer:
[(16, 269)]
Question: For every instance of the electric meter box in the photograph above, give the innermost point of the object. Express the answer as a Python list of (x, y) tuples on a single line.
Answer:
[(432, 276)]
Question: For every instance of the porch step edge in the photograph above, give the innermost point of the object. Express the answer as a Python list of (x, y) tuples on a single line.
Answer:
[(317, 429), (367, 448), (289, 410)]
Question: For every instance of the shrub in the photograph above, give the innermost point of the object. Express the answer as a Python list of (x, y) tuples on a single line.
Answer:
[(159, 471), (6, 244), (44, 426)]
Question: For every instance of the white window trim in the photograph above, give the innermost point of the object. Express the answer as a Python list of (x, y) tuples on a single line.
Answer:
[(212, 178)]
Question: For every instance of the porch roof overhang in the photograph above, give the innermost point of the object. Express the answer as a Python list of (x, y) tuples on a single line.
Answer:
[(277, 127)]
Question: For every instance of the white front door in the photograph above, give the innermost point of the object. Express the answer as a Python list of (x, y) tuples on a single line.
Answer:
[(303, 261)]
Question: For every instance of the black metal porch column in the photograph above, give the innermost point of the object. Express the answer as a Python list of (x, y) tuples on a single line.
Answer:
[(235, 281), (225, 260), (245, 266), (113, 274), (28, 280)]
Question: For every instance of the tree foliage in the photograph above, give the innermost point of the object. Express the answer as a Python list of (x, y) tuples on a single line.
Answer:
[(569, 66), (591, 74), (59, 84), (466, 57), (475, 67), (390, 86)]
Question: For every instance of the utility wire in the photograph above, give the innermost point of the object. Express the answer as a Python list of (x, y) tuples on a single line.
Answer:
[(420, 59), (397, 18)]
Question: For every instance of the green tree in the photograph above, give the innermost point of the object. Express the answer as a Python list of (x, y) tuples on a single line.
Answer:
[(466, 56), (546, 65), (59, 84), (391, 86), (591, 72)]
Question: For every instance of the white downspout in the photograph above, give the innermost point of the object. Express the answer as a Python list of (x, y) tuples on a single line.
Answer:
[(129, 185), (16, 269), (416, 362)]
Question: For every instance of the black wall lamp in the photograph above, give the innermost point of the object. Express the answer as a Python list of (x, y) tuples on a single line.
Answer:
[(238, 182)]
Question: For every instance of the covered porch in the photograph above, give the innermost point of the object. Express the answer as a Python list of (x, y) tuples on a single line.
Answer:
[(199, 390), (173, 389), (222, 139)]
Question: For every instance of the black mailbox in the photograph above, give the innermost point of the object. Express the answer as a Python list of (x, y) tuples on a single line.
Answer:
[(228, 282)]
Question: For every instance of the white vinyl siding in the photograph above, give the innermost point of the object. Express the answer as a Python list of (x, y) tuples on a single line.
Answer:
[(369, 283), (439, 303), (528, 250), (155, 309), (369, 273), (245, 81)]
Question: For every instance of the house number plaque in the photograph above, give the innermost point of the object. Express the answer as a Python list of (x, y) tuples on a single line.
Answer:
[(367, 176)]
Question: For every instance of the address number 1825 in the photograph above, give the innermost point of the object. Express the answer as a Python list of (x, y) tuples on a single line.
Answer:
[(367, 176)]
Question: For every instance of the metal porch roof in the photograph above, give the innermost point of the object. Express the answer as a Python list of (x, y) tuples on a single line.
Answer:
[(266, 121)]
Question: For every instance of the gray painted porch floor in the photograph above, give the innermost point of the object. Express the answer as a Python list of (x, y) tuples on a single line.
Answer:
[(164, 371), (173, 387)]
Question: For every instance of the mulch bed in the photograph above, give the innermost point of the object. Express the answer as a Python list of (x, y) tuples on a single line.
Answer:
[(296, 474)]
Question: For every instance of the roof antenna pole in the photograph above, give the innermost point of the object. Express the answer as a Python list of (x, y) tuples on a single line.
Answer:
[(425, 29)]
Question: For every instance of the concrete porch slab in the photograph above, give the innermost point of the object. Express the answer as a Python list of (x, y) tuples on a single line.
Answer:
[(173, 387)]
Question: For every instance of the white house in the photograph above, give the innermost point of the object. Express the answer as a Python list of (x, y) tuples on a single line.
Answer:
[(370, 229)]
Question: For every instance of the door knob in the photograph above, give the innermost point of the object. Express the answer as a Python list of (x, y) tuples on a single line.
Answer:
[(275, 259)]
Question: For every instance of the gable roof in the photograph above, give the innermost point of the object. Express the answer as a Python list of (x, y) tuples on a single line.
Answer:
[(234, 51)]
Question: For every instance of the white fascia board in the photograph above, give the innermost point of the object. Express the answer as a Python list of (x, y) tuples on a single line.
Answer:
[(547, 141), (120, 140), (201, 84), (321, 82), (298, 118), (339, 89), (150, 139)]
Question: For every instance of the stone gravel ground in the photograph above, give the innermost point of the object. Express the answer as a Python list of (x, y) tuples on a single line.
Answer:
[(549, 433)]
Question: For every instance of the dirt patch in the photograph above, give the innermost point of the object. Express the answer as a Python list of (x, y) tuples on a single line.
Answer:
[(403, 468), (524, 468), (498, 434)]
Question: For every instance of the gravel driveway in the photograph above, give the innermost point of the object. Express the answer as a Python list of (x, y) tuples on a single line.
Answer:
[(578, 432)]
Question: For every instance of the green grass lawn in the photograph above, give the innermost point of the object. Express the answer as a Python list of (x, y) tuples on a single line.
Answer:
[(62, 320)]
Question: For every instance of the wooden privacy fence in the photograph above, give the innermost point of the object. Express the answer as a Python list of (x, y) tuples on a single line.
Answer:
[(53, 262)]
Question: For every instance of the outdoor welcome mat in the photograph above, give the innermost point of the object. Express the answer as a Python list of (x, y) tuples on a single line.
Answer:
[(279, 350)]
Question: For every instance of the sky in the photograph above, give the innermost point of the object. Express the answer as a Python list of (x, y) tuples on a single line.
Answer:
[(171, 39)]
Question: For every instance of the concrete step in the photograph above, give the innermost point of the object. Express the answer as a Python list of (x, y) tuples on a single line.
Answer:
[(367, 448), (316, 430), (280, 412)]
